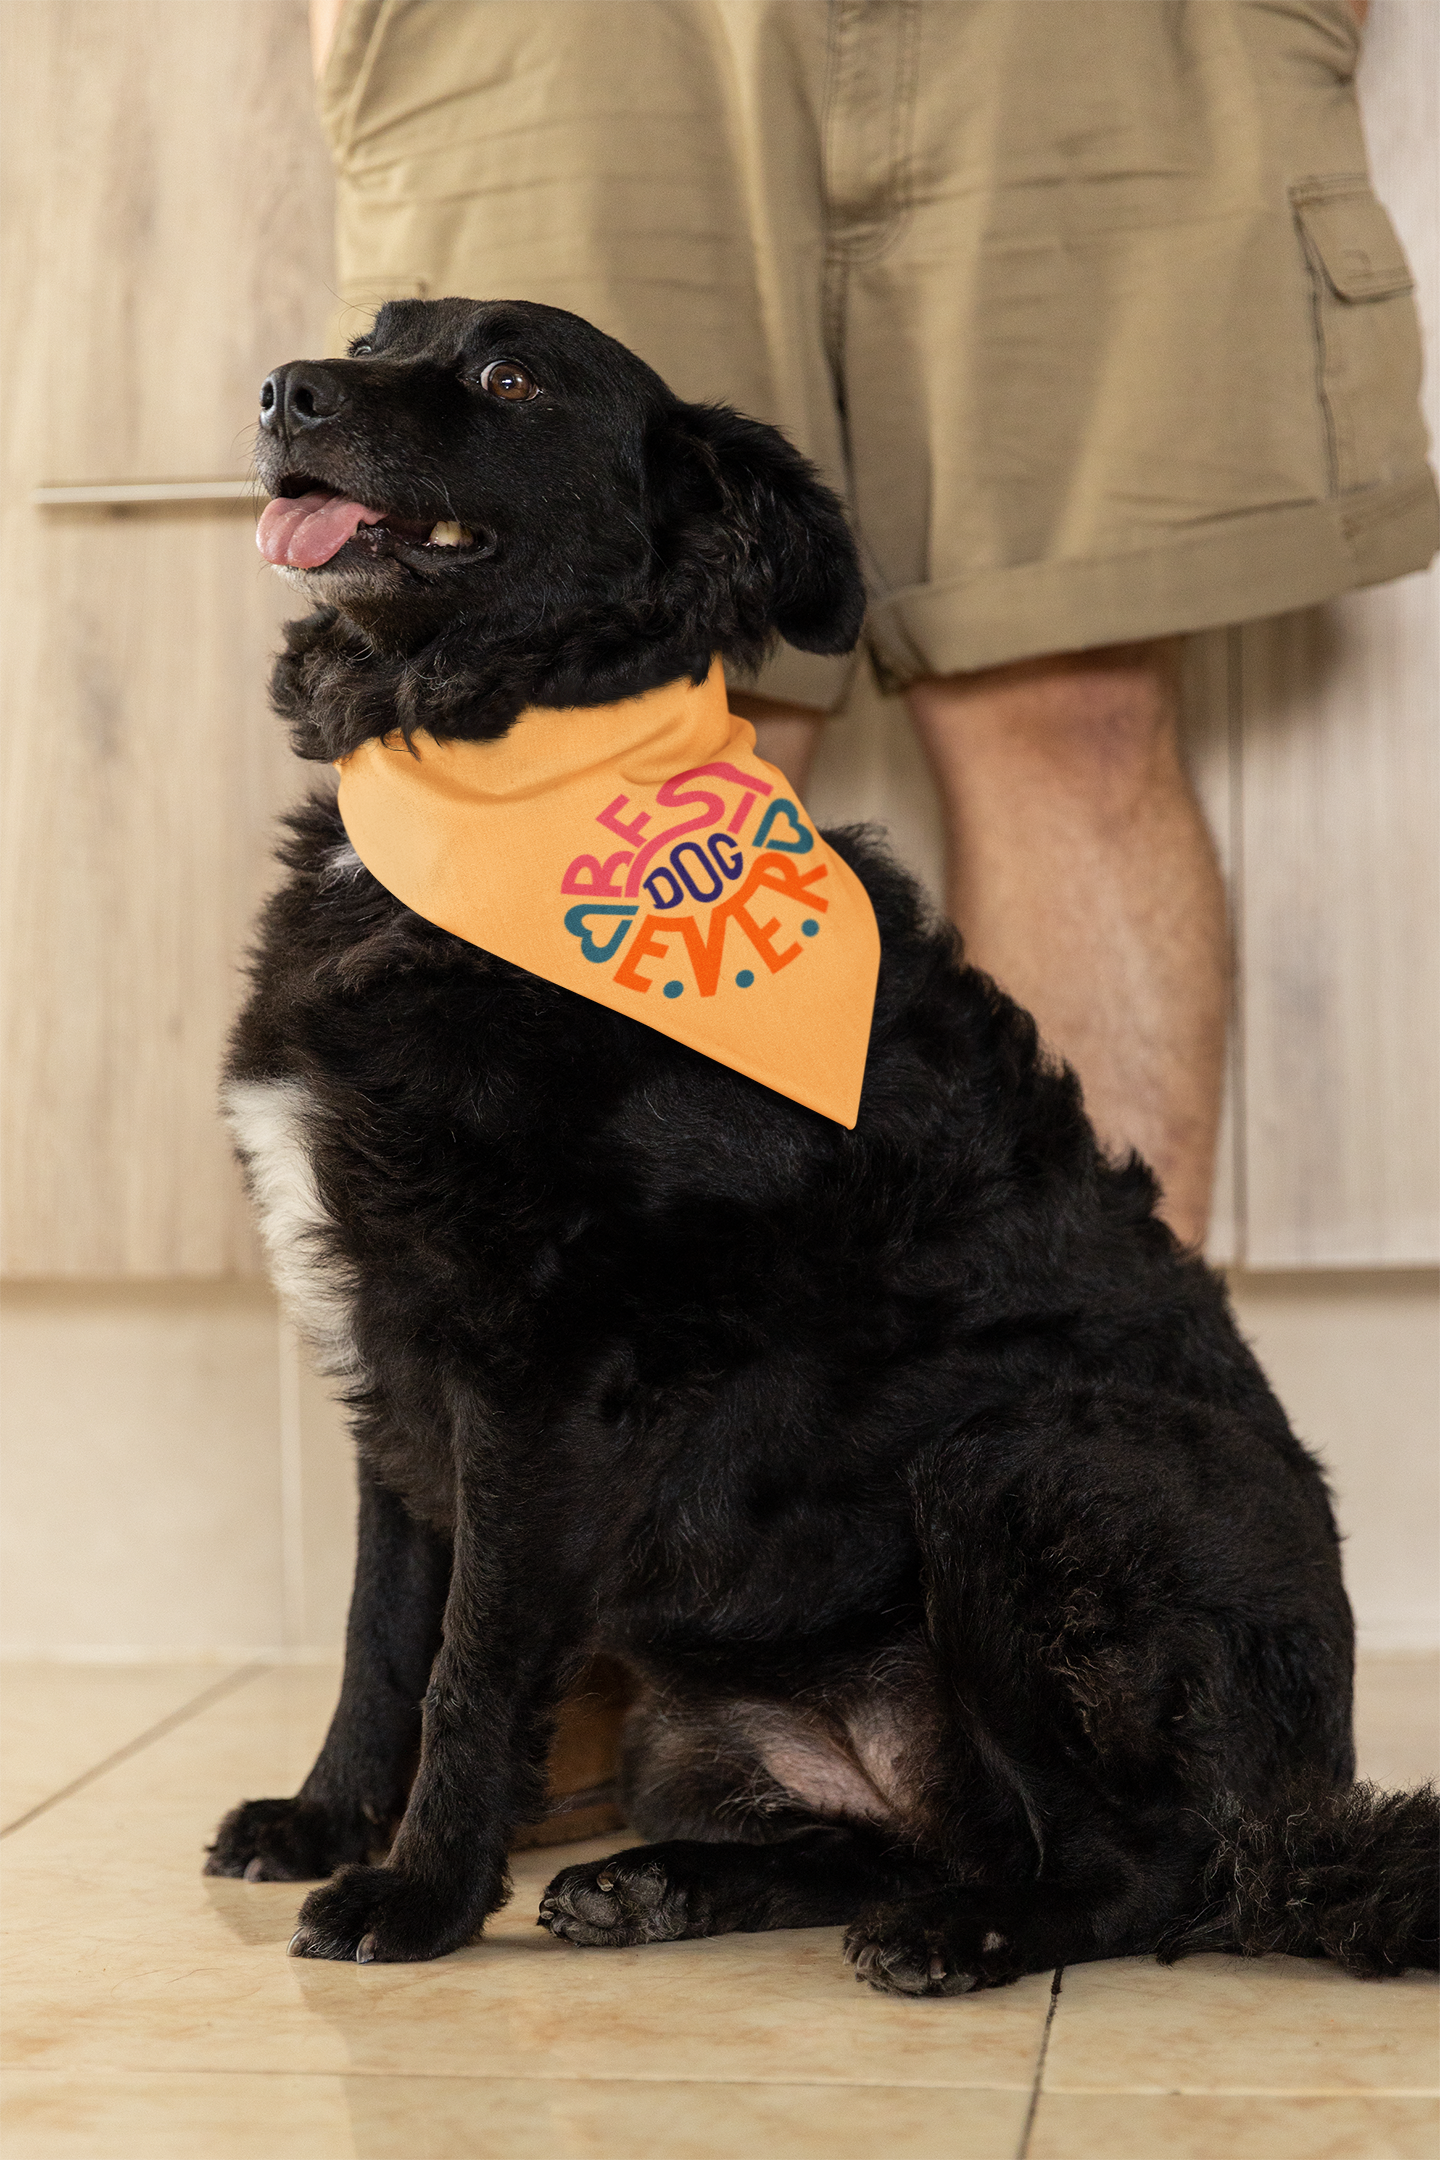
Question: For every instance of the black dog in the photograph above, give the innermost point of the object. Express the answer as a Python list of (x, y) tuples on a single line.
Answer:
[(979, 1595)]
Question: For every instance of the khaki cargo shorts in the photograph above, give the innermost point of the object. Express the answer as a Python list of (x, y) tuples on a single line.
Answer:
[(1086, 306)]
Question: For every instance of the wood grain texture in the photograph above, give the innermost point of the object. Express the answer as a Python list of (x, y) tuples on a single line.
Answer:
[(177, 242), (1340, 808), (140, 799), (1209, 740), (178, 194)]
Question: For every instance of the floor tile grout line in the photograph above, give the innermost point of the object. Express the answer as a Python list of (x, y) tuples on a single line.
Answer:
[(1022, 2149), (212, 1694), (539, 2077), (531, 2076)]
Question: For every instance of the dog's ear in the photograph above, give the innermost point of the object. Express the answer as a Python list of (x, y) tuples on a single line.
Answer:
[(742, 512)]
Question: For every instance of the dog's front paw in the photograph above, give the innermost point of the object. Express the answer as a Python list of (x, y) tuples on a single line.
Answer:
[(629, 1899), (377, 1916), (931, 1946), (285, 1841)]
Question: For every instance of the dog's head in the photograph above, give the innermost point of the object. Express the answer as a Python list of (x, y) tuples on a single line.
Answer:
[(498, 506)]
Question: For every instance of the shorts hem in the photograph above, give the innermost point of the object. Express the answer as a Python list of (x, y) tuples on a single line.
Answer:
[(1235, 570), (800, 678)]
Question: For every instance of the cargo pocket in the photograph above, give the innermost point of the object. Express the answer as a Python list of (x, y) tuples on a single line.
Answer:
[(1366, 333)]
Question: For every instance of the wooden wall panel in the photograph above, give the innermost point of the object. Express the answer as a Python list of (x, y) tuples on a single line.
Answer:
[(1339, 1021), (170, 240), (179, 202), (1340, 792), (1209, 738), (142, 794)]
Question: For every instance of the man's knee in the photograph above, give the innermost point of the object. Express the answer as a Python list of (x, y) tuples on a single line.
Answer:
[(1098, 730)]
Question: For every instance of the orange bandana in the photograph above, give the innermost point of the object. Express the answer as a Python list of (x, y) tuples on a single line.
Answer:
[(642, 854)]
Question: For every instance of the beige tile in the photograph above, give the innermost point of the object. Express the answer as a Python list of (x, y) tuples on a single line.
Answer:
[(200, 2116), (230, 2116), (1397, 1716), (1241, 2025), (57, 1721), (1130, 2126), (142, 1467), (123, 1957), (592, 2120)]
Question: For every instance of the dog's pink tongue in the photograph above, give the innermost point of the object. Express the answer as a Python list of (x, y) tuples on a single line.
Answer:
[(306, 530)]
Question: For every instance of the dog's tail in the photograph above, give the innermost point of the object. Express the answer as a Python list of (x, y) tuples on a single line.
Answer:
[(1352, 1875)]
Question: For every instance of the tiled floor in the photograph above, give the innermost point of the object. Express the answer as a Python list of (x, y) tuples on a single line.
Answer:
[(153, 2015)]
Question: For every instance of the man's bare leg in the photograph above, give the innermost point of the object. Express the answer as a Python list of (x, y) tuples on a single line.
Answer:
[(1083, 878)]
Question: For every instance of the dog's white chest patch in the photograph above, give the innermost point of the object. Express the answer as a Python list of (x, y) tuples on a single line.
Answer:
[(268, 1120), (341, 863)]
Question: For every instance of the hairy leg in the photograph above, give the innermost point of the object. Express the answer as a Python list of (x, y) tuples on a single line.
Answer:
[(1083, 878), (356, 1792)]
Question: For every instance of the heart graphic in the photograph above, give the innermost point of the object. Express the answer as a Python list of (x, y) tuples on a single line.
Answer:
[(803, 840), (578, 926)]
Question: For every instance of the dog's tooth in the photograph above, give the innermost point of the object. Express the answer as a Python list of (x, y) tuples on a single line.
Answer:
[(448, 534)]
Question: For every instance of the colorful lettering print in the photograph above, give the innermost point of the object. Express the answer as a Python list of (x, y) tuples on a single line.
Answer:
[(675, 869)]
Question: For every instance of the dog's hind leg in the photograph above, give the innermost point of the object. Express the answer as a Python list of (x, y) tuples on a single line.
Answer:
[(953, 1941), (821, 1875), (762, 1816), (355, 1794), (1134, 1607)]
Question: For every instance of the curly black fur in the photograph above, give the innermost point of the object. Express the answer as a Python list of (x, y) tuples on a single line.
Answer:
[(667, 533), (979, 1596), (1353, 1876)]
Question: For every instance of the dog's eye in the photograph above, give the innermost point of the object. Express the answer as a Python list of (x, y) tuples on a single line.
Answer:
[(361, 349), (507, 379)]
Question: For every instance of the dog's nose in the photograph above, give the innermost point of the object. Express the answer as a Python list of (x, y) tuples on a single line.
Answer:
[(298, 396)]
